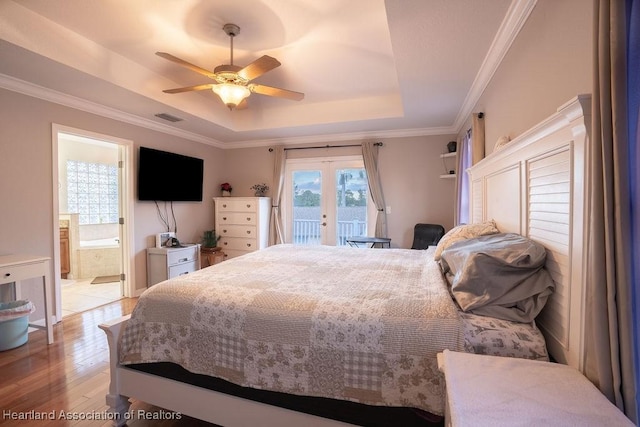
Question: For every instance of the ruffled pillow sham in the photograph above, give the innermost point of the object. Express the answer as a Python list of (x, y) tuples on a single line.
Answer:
[(463, 232)]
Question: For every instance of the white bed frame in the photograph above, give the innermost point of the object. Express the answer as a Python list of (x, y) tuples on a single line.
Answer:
[(534, 187)]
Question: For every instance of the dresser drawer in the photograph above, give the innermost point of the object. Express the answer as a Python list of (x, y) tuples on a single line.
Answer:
[(232, 253), (179, 270), (247, 231), (181, 256), (238, 206), (238, 218), (238, 244)]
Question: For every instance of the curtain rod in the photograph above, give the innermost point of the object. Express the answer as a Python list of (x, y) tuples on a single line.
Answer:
[(379, 144)]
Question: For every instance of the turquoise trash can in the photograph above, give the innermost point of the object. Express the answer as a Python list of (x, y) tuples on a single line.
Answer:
[(14, 323)]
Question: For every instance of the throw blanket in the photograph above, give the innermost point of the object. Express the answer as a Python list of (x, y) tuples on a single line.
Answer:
[(344, 323)]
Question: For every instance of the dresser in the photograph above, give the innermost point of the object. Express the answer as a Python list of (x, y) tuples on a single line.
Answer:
[(166, 263), (242, 224)]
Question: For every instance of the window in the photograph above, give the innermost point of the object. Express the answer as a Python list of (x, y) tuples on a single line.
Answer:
[(92, 192)]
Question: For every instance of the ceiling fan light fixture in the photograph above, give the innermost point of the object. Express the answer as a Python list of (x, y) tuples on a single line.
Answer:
[(231, 94)]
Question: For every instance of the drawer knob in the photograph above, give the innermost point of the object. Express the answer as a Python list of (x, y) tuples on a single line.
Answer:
[(248, 231), (225, 243), (7, 274), (248, 205), (248, 218), (183, 259), (248, 245), (224, 218), (224, 231), (224, 206)]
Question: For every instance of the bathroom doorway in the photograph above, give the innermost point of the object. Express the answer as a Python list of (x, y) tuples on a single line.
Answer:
[(91, 260)]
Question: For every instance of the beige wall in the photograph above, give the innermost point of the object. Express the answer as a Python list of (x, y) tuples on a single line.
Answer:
[(26, 211), (410, 170), (548, 64)]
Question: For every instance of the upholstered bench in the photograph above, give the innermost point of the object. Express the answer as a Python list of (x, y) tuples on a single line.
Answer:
[(505, 391)]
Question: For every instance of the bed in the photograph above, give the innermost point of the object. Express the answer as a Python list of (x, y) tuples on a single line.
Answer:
[(366, 335)]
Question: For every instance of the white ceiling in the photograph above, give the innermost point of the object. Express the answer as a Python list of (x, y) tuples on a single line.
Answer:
[(368, 68)]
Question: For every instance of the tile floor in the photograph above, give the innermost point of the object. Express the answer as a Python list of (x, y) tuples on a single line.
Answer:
[(81, 295)]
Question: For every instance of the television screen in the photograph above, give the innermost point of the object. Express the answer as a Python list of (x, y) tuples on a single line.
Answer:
[(168, 176)]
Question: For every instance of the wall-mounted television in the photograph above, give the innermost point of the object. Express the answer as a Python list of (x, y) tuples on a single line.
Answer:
[(165, 176)]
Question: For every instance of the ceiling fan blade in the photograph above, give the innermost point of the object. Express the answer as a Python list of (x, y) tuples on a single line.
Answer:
[(274, 91), (190, 88), (259, 67), (184, 63)]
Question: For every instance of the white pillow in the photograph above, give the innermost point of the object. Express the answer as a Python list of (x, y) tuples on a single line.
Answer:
[(462, 232)]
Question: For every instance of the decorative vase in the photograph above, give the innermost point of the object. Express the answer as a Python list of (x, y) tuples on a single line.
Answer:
[(259, 193), (226, 193)]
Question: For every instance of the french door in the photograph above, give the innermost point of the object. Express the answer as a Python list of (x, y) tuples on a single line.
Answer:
[(326, 200)]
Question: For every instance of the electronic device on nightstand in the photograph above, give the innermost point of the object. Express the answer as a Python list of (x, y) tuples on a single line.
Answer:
[(164, 239)]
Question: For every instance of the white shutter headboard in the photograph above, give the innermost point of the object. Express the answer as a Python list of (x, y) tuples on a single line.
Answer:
[(535, 186)]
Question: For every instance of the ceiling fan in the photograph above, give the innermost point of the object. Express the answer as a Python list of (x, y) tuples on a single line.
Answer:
[(233, 83)]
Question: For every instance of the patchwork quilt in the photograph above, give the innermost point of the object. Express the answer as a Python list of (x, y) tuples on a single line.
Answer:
[(345, 323)]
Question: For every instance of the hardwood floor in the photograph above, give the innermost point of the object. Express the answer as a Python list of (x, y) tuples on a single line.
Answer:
[(69, 378)]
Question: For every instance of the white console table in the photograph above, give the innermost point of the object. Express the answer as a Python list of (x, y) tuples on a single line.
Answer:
[(14, 268)]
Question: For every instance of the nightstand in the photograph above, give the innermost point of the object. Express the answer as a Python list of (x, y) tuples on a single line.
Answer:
[(166, 263), (506, 391)]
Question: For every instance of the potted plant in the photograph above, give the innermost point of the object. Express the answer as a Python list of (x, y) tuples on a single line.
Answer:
[(226, 189), (260, 189), (210, 239)]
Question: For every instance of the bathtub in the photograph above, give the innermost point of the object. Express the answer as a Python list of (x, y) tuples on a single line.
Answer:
[(111, 242), (98, 257)]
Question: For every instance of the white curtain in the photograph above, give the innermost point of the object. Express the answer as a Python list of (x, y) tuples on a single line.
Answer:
[(470, 151), (370, 158), (462, 214), (276, 234)]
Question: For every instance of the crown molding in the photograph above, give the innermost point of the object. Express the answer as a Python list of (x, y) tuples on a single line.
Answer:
[(343, 137), (46, 94), (514, 20)]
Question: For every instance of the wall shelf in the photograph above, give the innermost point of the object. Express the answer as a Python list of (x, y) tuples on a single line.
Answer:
[(448, 164)]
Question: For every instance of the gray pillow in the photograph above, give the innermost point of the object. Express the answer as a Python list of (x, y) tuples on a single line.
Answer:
[(499, 275)]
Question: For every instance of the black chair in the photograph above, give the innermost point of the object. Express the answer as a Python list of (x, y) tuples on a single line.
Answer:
[(425, 235)]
